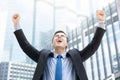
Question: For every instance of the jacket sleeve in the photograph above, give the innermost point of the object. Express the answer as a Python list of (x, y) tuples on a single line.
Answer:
[(90, 49), (26, 46)]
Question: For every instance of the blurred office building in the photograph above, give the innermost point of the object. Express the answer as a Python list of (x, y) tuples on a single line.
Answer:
[(16, 71), (3, 16), (106, 61), (41, 18)]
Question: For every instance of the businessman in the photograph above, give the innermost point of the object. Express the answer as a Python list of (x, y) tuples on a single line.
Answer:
[(60, 64)]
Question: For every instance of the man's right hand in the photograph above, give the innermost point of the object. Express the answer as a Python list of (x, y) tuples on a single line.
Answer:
[(16, 19)]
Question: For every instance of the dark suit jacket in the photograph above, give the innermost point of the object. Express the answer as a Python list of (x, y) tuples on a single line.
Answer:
[(77, 57)]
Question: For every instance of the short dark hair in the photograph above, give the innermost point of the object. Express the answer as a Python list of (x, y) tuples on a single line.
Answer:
[(59, 31)]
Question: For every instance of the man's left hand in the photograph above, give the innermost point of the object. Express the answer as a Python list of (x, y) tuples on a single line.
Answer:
[(101, 16)]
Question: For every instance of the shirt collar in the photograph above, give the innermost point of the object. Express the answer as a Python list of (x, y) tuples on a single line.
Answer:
[(63, 55)]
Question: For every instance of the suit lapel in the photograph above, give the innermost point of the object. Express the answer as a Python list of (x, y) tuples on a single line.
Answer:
[(78, 64), (44, 54)]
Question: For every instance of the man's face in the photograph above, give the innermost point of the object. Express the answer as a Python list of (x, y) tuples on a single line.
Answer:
[(60, 40)]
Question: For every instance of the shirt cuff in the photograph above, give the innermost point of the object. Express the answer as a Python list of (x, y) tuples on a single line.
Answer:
[(101, 25), (17, 27)]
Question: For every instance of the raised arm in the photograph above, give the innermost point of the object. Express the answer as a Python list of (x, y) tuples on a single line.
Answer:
[(23, 42), (90, 49)]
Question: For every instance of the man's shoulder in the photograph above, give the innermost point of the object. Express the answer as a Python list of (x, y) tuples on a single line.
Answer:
[(74, 50), (45, 50)]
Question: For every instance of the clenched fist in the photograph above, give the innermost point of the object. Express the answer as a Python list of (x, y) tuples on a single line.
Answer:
[(16, 19), (100, 16)]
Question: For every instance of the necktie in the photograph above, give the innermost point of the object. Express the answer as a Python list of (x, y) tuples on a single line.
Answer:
[(58, 74)]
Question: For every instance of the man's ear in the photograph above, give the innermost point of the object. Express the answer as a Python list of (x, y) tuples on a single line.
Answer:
[(66, 45)]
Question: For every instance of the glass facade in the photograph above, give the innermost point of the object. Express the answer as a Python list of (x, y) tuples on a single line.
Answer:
[(106, 60)]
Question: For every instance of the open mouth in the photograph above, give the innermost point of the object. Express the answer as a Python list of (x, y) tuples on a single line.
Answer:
[(59, 41)]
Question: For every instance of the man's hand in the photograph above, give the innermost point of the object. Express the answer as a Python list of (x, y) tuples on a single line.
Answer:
[(101, 16), (16, 19)]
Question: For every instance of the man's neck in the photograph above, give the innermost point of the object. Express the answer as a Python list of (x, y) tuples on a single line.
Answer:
[(59, 50)]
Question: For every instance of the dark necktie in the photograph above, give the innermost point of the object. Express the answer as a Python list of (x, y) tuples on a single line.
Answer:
[(58, 73)]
